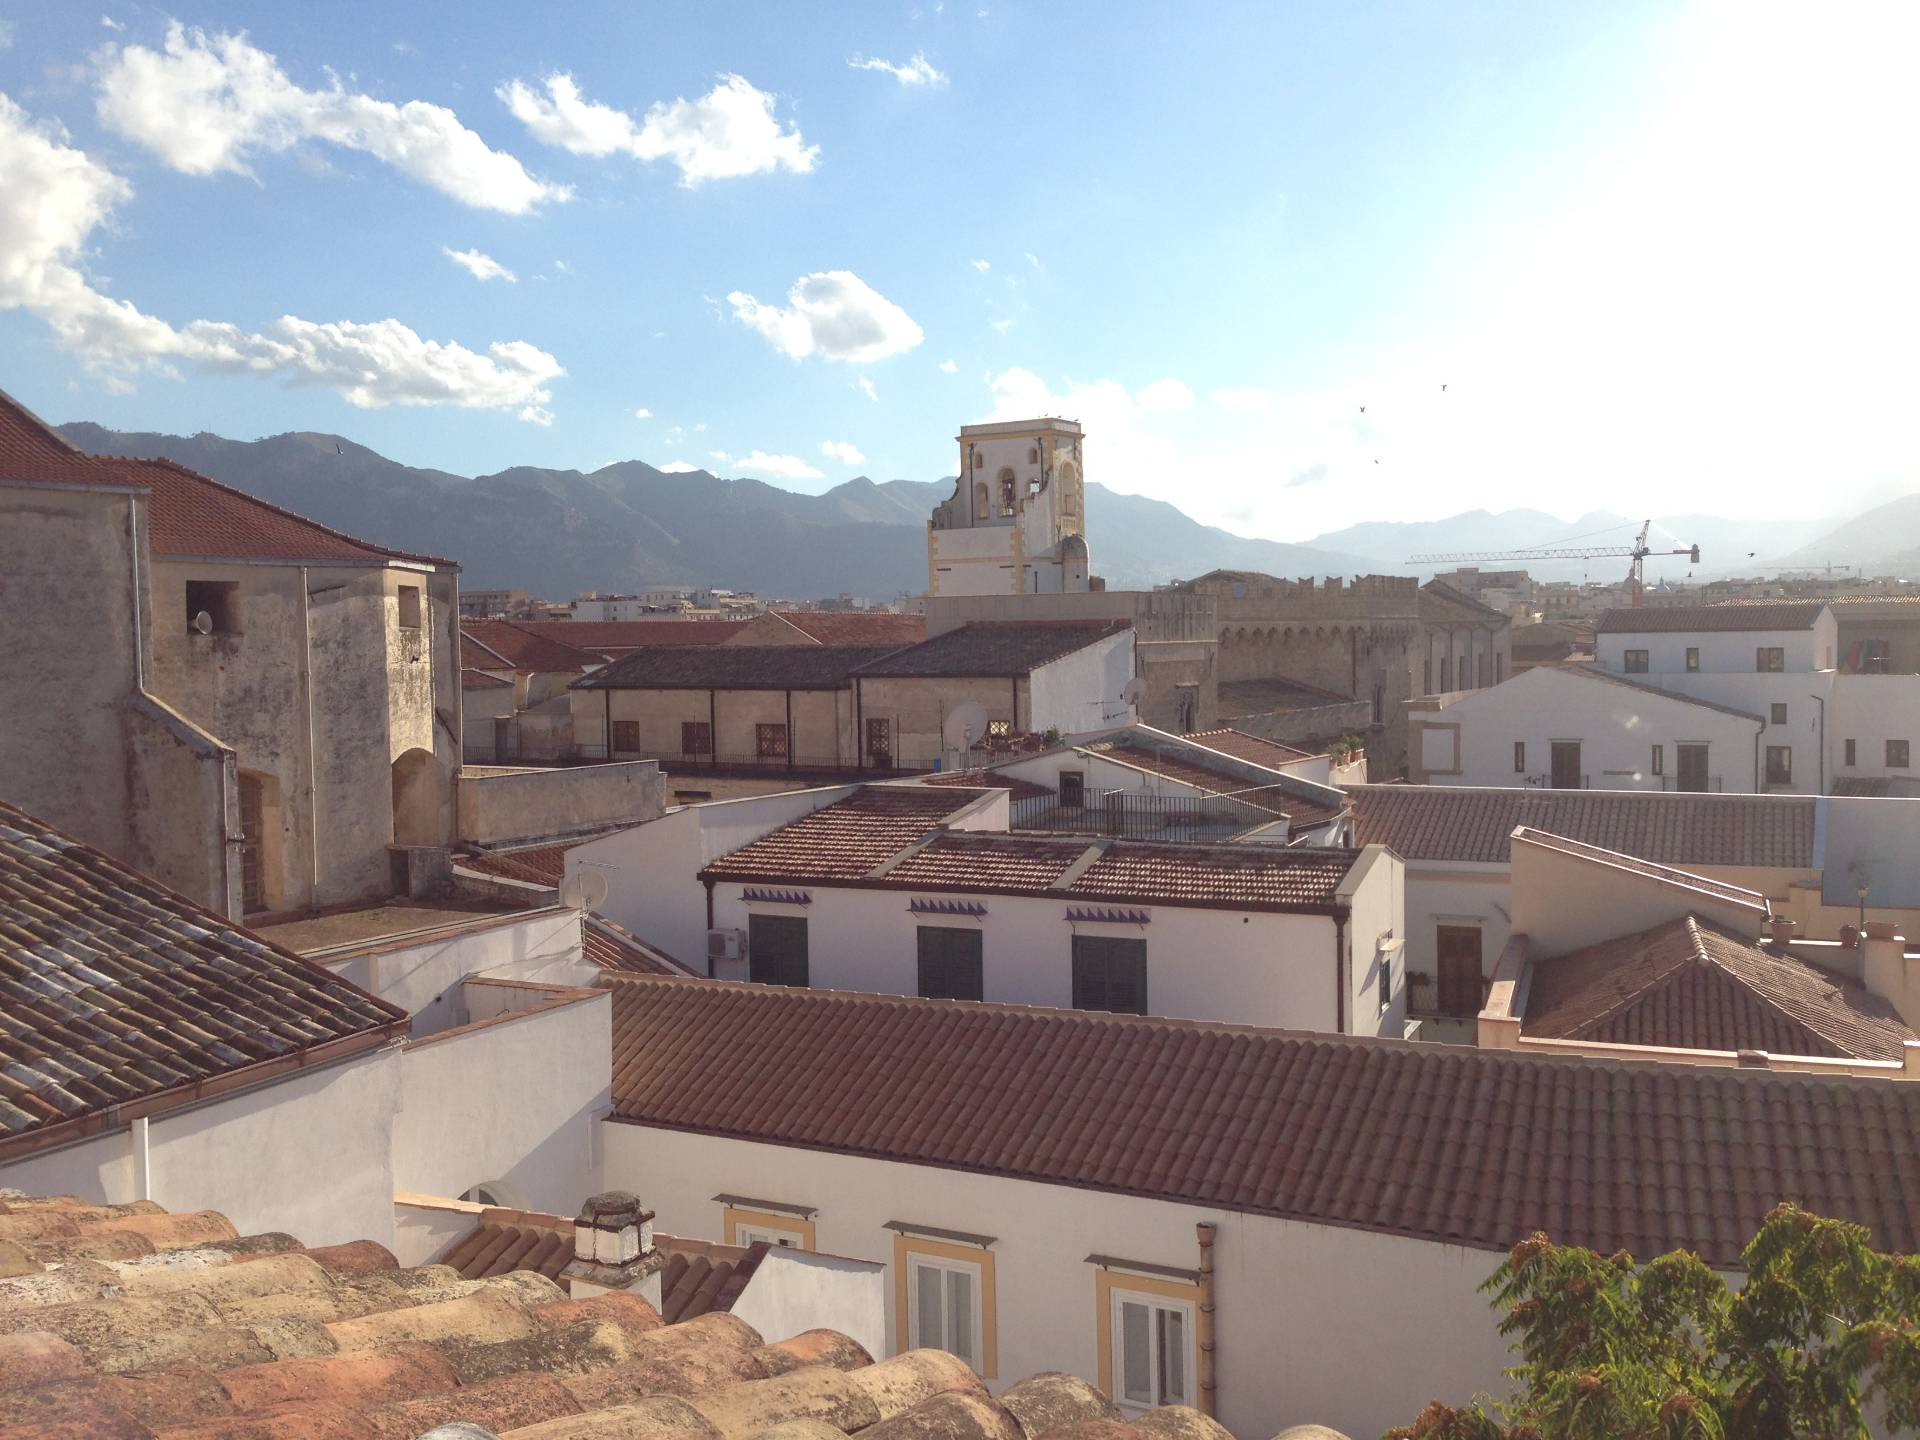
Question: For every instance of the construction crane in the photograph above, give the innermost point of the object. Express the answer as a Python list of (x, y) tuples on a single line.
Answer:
[(1638, 551)]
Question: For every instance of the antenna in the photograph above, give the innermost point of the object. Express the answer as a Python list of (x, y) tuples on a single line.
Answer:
[(584, 889)]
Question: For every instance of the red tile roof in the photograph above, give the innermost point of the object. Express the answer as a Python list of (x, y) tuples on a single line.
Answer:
[(524, 650), (1256, 748), (1473, 824), (614, 638), (855, 627), (846, 839), (172, 1326), (1442, 1143), (1669, 619), (537, 865), (1691, 984), (995, 647), (481, 680), (735, 667), (187, 513), (614, 947), (509, 1240), (1302, 812), (1751, 900), (989, 780), (121, 993)]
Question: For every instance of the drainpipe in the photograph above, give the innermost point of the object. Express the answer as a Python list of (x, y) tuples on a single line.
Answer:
[(142, 1159), (606, 721), (1821, 701), (859, 728), (1339, 974), (1204, 1327), (306, 691), (789, 729)]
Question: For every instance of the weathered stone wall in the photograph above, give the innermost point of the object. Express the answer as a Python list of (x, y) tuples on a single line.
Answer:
[(502, 805), (184, 806)]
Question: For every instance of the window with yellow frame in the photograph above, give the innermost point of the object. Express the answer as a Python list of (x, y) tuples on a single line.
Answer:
[(1146, 1329), (943, 1295), (745, 1222)]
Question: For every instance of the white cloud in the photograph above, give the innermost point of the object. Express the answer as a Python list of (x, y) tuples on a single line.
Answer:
[(981, 265), (917, 71), (843, 451), (1002, 323), (537, 415), (643, 413), (1034, 260), (6, 34), (209, 103), (719, 455), (834, 314), (947, 367), (562, 267), (1164, 397), (775, 467), (481, 267), (56, 196), (729, 131), (865, 387), (679, 467), (107, 22), (1243, 399)]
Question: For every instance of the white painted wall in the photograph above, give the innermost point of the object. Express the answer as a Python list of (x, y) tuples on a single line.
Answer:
[(1081, 690), (1342, 1327), (1723, 651), (1563, 903), (1376, 891), (307, 1154), (1877, 840), (793, 1291), (516, 1099), (1871, 710)]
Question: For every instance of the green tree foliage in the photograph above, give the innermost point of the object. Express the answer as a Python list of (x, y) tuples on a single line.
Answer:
[(1823, 1334)]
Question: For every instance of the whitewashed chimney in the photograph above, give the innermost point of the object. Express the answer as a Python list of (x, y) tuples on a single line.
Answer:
[(613, 1247)]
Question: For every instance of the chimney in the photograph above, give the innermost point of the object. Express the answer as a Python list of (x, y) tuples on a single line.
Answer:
[(1782, 928), (1889, 971), (613, 1246)]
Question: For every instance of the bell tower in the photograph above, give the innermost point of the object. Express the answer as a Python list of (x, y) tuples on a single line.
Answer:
[(1016, 522)]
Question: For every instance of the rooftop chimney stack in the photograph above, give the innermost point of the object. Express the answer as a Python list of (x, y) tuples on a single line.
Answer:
[(613, 1246), (1889, 971), (1782, 927)]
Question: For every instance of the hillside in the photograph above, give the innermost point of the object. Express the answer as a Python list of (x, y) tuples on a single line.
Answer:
[(558, 532), (1882, 541)]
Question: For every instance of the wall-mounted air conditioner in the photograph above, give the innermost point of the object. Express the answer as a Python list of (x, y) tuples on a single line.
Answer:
[(727, 954)]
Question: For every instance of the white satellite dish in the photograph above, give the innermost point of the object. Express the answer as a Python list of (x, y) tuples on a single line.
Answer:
[(965, 724), (1134, 691), (203, 623), (584, 889)]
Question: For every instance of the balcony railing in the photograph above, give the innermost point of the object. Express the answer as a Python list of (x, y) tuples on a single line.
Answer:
[(1134, 815)]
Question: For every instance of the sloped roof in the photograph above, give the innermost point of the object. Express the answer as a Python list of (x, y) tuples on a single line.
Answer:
[(176, 1326), (1750, 900), (995, 647), (1652, 691), (614, 638), (508, 1240), (1669, 619), (855, 627), (1441, 602), (1475, 824), (1690, 984), (735, 667), (612, 946), (846, 839), (1019, 788), (117, 992), (527, 650), (188, 514), (482, 680), (1255, 748), (1275, 797), (1442, 1143)]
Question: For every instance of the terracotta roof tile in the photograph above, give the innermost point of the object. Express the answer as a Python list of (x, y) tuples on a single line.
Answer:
[(114, 990), (509, 1240), (846, 839), (735, 667), (187, 513), (855, 627), (614, 638), (1473, 824), (995, 647), (1669, 619), (614, 947), (989, 780), (526, 650), (537, 864), (1242, 746), (1666, 874), (497, 1353), (1361, 1133), (1690, 984)]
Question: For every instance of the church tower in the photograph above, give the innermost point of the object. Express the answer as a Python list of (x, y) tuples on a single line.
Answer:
[(1016, 522)]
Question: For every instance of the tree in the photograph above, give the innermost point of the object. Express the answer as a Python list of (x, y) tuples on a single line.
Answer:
[(1823, 1333)]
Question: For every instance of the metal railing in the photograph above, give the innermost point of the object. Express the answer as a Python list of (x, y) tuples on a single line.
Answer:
[(1134, 815), (1423, 999), (1546, 782)]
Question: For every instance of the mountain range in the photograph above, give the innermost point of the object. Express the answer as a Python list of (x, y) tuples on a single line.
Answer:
[(556, 533)]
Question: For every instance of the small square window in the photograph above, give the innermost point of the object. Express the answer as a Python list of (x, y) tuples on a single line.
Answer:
[(1770, 659), (1896, 755), (1779, 764), (213, 607), (1693, 659), (696, 737), (626, 737), (999, 729), (1636, 663), (770, 742), (409, 596), (1778, 713), (1850, 752)]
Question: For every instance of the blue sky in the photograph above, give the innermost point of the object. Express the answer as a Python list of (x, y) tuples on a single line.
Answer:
[(1659, 256)]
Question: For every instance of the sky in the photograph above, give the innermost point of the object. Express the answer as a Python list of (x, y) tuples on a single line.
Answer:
[(1291, 265)]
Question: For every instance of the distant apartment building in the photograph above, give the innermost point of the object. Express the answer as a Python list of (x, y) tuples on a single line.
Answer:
[(495, 604)]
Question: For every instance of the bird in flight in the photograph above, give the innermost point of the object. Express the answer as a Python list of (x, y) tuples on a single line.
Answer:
[(1363, 409)]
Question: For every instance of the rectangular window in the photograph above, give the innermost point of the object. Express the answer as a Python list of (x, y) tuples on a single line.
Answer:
[(1693, 659), (1458, 950), (1779, 764), (777, 949), (1446, 674), (1519, 757), (880, 742), (1486, 670), (999, 729), (943, 1306), (1896, 754), (409, 607), (950, 967), (1770, 659), (1636, 662), (1073, 789), (1693, 768), (1499, 669), (1426, 677), (741, 1224), (696, 737), (1379, 705), (1384, 957), (1109, 973), (1850, 752), (1777, 713), (213, 607), (770, 742), (1152, 1350), (626, 737), (1659, 759)]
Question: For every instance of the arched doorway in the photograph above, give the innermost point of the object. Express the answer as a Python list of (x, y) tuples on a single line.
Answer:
[(417, 800)]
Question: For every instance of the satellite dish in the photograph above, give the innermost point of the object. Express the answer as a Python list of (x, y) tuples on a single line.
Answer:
[(203, 623), (1134, 691), (965, 723), (584, 889)]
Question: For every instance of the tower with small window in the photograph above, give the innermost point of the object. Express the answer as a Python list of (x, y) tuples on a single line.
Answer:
[(1016, 521)]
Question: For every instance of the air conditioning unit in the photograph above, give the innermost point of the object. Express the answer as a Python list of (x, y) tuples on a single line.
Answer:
[(726, 944)]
